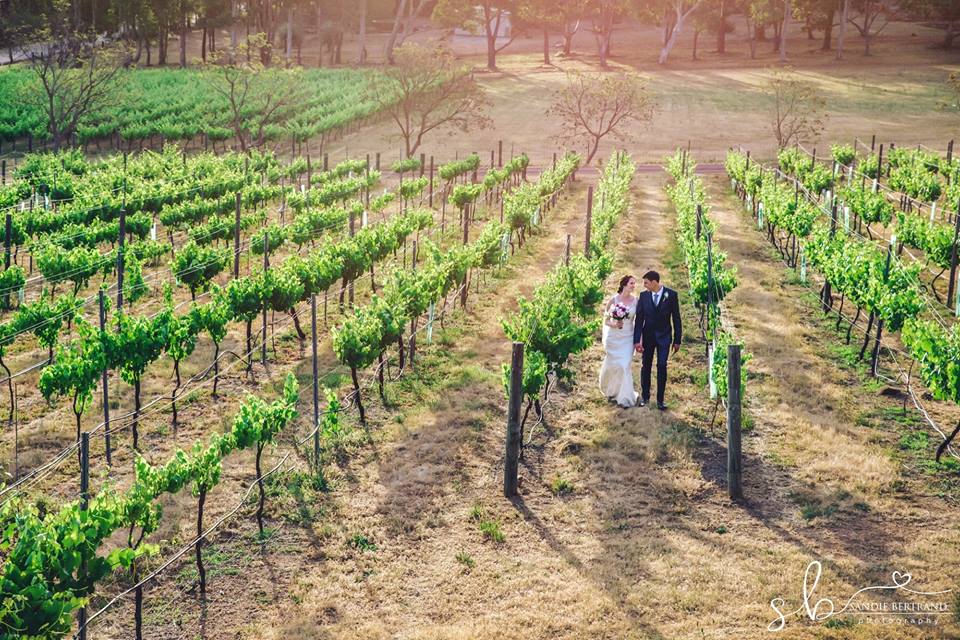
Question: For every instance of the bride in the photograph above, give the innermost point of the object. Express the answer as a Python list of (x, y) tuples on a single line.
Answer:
[(616, 377)]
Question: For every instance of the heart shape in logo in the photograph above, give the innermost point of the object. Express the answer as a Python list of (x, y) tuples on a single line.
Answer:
[(901, 578)]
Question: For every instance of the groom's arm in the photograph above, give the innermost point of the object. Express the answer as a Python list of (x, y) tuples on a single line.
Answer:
[(675, 316), (638, 323)]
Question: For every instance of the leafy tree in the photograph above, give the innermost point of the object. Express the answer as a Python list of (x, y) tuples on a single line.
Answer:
[(463, 13), (428, 90), (603, 15), (818, 14), (592, 107)]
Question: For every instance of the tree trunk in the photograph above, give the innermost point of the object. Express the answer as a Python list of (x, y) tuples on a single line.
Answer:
[(362, 36), (183, 42), (568, 34), (844, 16), (203, 45), (696, 36), (722, 28), (289, 42), (491, 41), (391, 41), (783, 31), (828, 29), (546, 46), (671, 41)]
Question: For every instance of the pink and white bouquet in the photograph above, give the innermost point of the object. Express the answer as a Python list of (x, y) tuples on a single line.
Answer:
[(619, 311)]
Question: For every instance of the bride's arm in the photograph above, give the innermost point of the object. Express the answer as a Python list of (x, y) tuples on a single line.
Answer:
[(607, 320)]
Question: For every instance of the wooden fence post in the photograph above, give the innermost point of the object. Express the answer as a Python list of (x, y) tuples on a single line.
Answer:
[(121, 237), (952, 284), (512, 453), (104, 379), (316, 384), (236, 239), (586, 236), (266, 265), (84, 505), (734, 461)]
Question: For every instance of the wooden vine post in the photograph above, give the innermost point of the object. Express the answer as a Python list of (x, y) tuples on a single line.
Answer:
[(84, 505), (236, 238), (511, 461), (952, 284), (586, 237), (316, 385), (734, 458), (104, 379), (8, 232), (121, 237), (266, 265)]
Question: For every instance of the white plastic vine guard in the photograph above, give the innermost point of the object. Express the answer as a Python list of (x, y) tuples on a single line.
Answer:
[(803, 267), (363, 219), (153, 232), (713, 383), (431, 312), (933, 210), (20, 295)]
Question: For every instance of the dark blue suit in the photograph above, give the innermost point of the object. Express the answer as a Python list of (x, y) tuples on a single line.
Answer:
[(656, 327)]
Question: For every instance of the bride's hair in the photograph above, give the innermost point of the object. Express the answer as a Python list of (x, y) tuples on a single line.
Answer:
[(623, 283)]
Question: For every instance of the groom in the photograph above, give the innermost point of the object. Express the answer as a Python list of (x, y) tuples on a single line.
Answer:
[(657, 308)]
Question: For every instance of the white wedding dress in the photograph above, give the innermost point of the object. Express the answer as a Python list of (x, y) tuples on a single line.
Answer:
[(616, 375)]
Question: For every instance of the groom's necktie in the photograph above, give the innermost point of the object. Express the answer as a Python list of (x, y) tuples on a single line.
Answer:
[(656, 298)]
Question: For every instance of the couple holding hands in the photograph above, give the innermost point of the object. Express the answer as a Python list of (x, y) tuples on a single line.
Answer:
[(648, 324)]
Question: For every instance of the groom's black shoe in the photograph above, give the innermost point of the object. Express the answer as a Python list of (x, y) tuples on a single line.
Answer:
[(661, 406)]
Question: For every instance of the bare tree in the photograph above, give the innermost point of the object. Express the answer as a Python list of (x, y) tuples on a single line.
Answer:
[(256, 97), (591, 107), (798, 109), (71, 80), (428, 90)]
